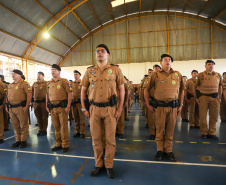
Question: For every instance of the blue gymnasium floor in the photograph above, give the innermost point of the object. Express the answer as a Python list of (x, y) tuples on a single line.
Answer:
[(198, 161)]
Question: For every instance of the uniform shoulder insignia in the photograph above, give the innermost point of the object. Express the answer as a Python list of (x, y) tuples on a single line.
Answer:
[(114, 65), (90, 66)]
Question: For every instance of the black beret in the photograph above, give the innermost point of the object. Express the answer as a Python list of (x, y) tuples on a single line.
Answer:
[(2, 76), (17, 71), (41, 73), (145, 75), (210, 61), (156, 65), (105, 47), (224, 73), (166, 55), (23, 77), (194, 71), (75, 71), (56, 66)]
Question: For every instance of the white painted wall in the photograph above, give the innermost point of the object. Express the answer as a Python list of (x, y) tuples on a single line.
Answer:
[(136, 71)]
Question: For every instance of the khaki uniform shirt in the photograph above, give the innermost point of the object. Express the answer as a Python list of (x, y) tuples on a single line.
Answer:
[(76, 89), (153, 81), (58, 91), (102, 84), (39, 89), (3, 89), (190, 85), (17, 92), (224, 84), (200, 77)]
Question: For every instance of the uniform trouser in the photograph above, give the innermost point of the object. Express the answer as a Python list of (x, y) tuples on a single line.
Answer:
[(146, 114), (193, 112), (207, 102), (126, 110), (131, 102), (41, 115), (121, 123), (142, 105), (136, 99), (223, 109), (6, 118), (165, 123), (1, 124), (103, 117), (60, 122), (20, 124), (79, 118), (151, 123), (184, 111)]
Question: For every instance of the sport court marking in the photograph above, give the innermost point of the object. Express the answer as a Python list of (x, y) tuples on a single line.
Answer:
[(122, 160)]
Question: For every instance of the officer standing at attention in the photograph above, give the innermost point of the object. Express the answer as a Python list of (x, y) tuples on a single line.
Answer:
[(184, 111), (19, 98), (121, 121), (210, 87), (58, 103), (193, 106), (168, 95), (2, 102), (223, 100), (151, 115), (103, 80), (39, 89), (79, 116), (5, 114)]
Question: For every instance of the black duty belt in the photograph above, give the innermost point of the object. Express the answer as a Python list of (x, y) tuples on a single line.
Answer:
[(39, 101), (213, 95), (21, 104), (75, 101), (1, 101), (100, 104), (173, 104)]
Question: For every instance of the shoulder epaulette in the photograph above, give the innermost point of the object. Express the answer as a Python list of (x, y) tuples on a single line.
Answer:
[(90, 66), (114, 65)]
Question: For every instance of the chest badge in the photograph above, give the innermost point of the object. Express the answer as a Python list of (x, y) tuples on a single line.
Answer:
[(174, 82), (16, 87), (58, 87), (176, 74), (218, 80), (40, 87), (92, 84), (92, 73), (79, 87), (110, 71)]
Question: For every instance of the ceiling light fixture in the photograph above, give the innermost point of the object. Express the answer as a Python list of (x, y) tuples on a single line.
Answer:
[(46, 35), (120, 2)]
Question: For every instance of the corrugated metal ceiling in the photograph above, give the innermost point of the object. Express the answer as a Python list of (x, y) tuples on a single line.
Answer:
[(25, 19)]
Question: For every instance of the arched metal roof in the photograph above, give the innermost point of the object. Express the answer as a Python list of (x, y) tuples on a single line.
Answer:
[(70, 22)]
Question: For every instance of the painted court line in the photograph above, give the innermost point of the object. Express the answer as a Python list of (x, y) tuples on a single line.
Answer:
[(122, 160), (26, 180), (15, 135)]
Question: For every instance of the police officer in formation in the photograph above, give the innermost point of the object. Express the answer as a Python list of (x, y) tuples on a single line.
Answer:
[(2, 102), (19, 97), (58, 103), (103, 80), (79, 116), (39, 90), (162, 96), (209, 83), (5, 114), (168, 95)]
